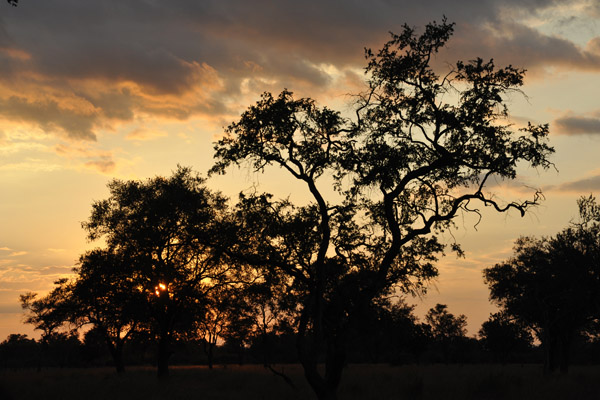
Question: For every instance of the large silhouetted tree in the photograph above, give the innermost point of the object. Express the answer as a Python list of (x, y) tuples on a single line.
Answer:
[(168, 230), (552, 285), (419, 152)]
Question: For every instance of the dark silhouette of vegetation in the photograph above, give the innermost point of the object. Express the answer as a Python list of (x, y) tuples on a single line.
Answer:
[(169, 230), (404, 169), (48, 313), (447, 330), (502, 335), (315, 283), (13, 2), (107, 296), (389, 332), (552, 285), (162, 262)]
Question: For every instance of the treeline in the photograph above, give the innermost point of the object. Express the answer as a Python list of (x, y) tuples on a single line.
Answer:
[(391, 334)]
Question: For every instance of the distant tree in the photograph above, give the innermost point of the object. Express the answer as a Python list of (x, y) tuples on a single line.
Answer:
[(19, 351), (410, 335), (168, 230), (502, 335), (444, 325), (447, 329), (13, 2), (389, 332), (552, 285), (420, 152), (223, 307)]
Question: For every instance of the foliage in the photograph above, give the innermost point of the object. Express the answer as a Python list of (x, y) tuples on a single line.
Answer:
[(420, 151)]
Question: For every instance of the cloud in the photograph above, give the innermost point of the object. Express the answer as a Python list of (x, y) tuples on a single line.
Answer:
[(72, 68), (99, 160), (585, 185), (49, 116), (145, 134), (577, 125), (17, 253), (103, 164)]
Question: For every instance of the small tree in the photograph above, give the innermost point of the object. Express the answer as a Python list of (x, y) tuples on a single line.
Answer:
[(447, 330), (421, 150)]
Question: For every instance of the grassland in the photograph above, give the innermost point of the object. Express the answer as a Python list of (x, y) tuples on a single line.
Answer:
[(481, 382)]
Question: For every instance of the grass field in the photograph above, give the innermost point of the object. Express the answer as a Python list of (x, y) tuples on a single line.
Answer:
[(481, 382)]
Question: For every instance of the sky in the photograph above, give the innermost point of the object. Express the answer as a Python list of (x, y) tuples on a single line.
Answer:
[(91, 91)]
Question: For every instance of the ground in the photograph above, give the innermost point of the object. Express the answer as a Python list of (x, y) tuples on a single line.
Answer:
[(481, 382)]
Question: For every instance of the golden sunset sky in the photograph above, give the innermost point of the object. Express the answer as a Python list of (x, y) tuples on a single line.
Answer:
[(96, 90)]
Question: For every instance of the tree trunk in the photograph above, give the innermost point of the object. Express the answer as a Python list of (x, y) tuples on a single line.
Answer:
[(163, 356), (116, 351), (564, 352), (550, 351), (209, 355), (324, 387)]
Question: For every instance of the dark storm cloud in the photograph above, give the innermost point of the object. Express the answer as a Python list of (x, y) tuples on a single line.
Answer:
[(154, 42), (210, 48)]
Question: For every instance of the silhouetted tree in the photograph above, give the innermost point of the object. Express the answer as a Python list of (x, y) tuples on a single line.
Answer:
[(51, 312), (552, 285), (107, 296), (420, 151), (502, 334), (223, 310), (18, 351), (447, 329), (13, 2), (389, 332), (168, 230)]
